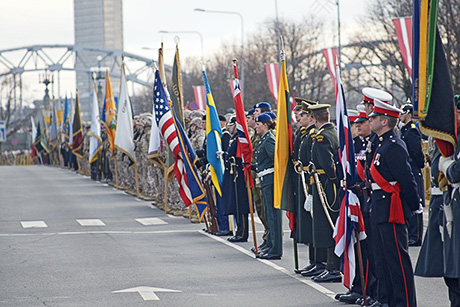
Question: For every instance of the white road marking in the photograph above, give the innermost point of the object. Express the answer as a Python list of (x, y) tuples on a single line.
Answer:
[(90, 222), (151, 221), (147, 293), (114, 232), (34, 224), (273, 265), (173, 216)]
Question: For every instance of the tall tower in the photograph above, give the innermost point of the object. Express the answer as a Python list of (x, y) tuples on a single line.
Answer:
[(98, 23)]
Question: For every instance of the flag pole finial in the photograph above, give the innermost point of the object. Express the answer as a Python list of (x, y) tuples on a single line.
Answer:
[(234, 61)]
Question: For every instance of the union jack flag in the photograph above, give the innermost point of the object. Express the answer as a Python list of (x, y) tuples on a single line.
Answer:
[(350, 218), (190, 188), (244, 150)]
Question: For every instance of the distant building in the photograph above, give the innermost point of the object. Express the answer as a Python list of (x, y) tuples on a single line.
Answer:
[(98, 23)]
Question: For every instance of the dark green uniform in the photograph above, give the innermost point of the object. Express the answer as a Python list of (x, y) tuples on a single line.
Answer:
[(324, 145), (265, 159)]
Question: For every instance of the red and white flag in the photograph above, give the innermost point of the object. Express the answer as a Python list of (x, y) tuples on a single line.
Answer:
[(330, 54), (404, 33), (273, 77), (244, 144), (230, 82), (200, 98)]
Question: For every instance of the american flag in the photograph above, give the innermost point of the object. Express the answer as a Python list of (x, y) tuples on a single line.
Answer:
[(166, 124), (350, 218), (244, 150)]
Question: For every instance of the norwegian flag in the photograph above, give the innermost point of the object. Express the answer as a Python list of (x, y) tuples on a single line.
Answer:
[(166, 124), (273, 77), (403, 28), (244, 150), (350, 219), (200, 98), (330, 54)]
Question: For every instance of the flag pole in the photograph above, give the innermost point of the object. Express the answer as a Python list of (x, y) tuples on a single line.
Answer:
[(248, 184), (166, 183), (114, 156), (361, 267), (137, 180), (251, 211)]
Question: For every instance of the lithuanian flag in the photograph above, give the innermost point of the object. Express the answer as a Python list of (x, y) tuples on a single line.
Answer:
[(283, 194)]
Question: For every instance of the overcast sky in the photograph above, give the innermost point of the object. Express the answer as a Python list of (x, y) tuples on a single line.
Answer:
[(30, 22)]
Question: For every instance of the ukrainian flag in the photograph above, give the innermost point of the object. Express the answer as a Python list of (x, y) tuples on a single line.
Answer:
[(213, 138)]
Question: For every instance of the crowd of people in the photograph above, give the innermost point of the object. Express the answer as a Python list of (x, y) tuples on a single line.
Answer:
[(390, 188)]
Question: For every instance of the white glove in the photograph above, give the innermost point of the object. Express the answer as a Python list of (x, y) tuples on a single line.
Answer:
[(308, 204), (219, 154), (420, 209), (445, 162)]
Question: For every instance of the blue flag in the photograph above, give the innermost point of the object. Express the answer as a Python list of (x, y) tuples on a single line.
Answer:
[(213, 138)]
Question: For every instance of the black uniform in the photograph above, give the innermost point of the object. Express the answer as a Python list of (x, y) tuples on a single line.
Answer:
[(391, 161), (411, 136), (235, 196), (451, 248), (430, 261)]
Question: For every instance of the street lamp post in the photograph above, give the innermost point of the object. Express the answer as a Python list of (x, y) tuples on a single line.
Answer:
[(191, 32), (242, 41)]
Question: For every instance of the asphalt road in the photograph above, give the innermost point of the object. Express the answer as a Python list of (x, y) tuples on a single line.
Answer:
[(68, 241)]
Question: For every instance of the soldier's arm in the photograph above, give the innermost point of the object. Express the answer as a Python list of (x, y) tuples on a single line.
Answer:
[(414, 146), (401, 171), (270, 148), (325, 157)]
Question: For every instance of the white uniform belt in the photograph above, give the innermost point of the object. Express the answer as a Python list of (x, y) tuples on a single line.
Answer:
[(456, 185), (265, 172), (375, 186), (435, 191)]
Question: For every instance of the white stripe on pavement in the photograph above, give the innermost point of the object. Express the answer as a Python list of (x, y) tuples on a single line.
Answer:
[(151, 221), (308, 282), (90, 222), (34, 224)]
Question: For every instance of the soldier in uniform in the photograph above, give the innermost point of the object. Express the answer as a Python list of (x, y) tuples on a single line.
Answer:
[(257, 191), (196, 133), (413, 139), (325, 143), (265, 159), (394, 199), (303, 227), (261, 107), (363, 130), (235, 196), (450, 167), (430, 261)]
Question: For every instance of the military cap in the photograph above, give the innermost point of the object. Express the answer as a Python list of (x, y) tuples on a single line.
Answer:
[(272, 115), (196, 121), (362, 116), (370, 94), (250, 112), (222, 118), (232, 121), (316, 108), (381, 108), (263, 117), (264, 105), (352, 115), (203, 117), (407, 108), (306, 106)]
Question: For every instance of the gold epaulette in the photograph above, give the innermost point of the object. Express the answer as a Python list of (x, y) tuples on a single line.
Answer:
[(413, 126)]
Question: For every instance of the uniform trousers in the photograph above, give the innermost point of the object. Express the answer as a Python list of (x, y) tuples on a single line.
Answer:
[(273, 217), (259, 202), (453, 285), (397, 267), (415, 228), (222, 220), (242, 226)]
